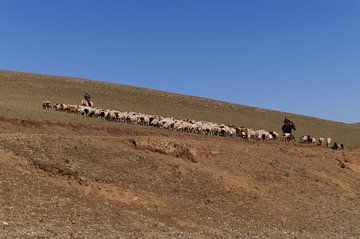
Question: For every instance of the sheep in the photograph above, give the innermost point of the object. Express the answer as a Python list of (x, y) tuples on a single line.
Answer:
[(337, 146), (89, 111), (190, 121), (167, 123), (98, 112), (307, 139), (232, 131), (72, 108), (116, 114), (313, 140), (163, 121), (85, 110), (110, 115), (215, 130), (132, 118), (122, 116), (185, 125), (195, 128), (241, 132), (155, 122), (250, 134), (274, 134), (328, 142), (323, 141), (145, 119), (81, 110), (63, 107), (102, 114), (208, 128), (176, 124), (261, 134), (60, 107), (225, 130), (46, 104), (57, 106), (304, 139)]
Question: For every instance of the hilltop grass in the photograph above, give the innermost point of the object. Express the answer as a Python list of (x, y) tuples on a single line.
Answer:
[(21, 95)]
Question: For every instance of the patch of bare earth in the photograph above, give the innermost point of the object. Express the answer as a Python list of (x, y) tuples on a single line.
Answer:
[(71, 181)]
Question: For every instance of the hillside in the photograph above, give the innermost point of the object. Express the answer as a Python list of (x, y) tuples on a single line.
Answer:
[(22, 93), (67, 176), (74, 181)]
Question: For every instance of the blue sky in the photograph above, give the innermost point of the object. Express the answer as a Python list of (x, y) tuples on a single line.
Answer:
[(294, 56)]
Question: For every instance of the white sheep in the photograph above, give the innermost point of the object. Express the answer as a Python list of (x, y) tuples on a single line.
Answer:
[(167, 123), (110, 115), (186, 125), (132, 118), (328, 142), (304, 139), (250, 134), (155, 122), (261, 134)]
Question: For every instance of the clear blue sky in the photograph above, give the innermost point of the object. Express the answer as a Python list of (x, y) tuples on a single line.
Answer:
[(296, 56)]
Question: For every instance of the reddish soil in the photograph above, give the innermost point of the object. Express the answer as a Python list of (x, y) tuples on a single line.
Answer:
[(72, 181)]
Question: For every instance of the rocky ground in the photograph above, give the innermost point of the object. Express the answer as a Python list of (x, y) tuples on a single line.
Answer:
[(60, 180)]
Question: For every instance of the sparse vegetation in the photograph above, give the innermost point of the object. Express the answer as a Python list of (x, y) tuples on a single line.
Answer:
[(21, 95), (67, 160), (67, 176)]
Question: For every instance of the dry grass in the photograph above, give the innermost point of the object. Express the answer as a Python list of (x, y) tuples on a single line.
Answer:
[(68, 180), (21, 95)]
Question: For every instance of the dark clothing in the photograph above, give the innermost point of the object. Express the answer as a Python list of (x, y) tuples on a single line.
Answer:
[(288, 126), (87, 96)]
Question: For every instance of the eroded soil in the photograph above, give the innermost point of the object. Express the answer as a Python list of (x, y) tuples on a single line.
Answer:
[(61, 180)]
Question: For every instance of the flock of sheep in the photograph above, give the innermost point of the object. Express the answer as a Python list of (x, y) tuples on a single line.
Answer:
[(182, 125)]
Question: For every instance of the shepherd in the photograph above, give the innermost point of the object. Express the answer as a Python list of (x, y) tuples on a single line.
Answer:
[(287, 129), (87, 100)]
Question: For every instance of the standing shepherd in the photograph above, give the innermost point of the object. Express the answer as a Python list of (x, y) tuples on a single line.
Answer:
[(287, 129)]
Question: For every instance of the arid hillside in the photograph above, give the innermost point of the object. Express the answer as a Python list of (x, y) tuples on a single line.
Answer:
[(64, 180), (22, 93), (70, 176)]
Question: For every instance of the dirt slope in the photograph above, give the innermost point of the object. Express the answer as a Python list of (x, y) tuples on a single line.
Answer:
[(22, 93), (64, 180)]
